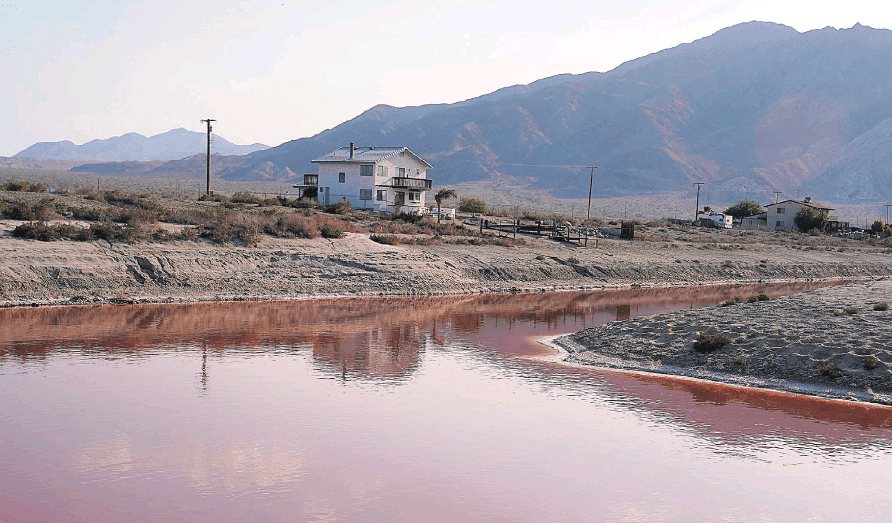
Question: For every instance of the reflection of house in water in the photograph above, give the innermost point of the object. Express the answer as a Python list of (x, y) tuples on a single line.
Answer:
[(383, 352)]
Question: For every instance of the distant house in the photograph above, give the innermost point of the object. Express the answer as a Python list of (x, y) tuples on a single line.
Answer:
[(379, 178), (781, 215), (756, 221)]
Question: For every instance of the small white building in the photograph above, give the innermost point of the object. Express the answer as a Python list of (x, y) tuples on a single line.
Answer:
[(381, 178), (722, 221)]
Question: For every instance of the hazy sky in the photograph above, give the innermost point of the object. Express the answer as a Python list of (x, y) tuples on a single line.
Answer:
[(273, 71)]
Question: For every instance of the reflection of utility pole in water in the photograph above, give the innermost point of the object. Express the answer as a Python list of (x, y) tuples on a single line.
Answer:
[(623, 312), (204, 370)]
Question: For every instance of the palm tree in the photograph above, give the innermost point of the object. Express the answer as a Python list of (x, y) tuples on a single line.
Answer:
[(443, 195)]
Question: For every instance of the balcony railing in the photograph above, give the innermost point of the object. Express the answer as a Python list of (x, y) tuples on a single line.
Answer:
[(310, 180), (397, 182)]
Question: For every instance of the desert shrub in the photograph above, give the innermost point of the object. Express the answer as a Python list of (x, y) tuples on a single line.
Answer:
[(245, 197), (738, 298), (138, 218), (24, 186), (44, 232), (472, 205), (331, 231), (291, 226), (406, 217), (707, 342), (213, 198), (728, 303), (573, 259), (386, 239), (752, 299), (107, 231), (740, 360), (303, 203), (851, 310), (830, 370), (881, 306), (231, 232), (762, 297), (870, 362), (43, 210), (342, 207)]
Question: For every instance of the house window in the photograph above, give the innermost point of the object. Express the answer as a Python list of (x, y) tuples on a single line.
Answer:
[(780, 210), (342, 177), (414, 197), (366, 170), (382, 195), (779, 225), (402, 172), (365, 194), (382, 170)]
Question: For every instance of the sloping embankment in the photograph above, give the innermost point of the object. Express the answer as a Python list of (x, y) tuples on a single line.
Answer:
[(72, 272)]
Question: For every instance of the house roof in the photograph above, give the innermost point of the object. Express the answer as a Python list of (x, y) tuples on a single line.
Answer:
[(366, 155), (807, 204)]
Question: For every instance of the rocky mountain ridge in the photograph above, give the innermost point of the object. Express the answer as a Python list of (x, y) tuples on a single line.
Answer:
[(752, 109)]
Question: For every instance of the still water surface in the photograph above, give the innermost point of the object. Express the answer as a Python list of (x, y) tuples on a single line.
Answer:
[(393, 409)]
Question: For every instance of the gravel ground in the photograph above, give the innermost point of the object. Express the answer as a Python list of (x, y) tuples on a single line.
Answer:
[(828, 342)]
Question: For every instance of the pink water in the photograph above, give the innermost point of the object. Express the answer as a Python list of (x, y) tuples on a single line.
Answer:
[(404, 410)]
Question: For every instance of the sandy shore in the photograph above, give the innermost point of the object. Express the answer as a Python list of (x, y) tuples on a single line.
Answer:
[(801, 343), (48, 273)]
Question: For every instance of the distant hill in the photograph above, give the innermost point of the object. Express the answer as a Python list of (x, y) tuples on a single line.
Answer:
[(172, 145), (752, 109)]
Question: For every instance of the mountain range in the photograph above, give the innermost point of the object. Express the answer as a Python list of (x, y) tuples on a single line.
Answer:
[(133, 147), (752, 109)]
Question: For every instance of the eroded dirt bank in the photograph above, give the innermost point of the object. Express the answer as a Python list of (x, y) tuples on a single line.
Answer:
[(46, 273), (829, 342)]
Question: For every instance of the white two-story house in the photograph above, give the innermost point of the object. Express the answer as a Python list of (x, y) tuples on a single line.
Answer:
[(782, 215), (382, 178)]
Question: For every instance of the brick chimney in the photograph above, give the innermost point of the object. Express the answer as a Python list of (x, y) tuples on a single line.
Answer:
[(352, 148)]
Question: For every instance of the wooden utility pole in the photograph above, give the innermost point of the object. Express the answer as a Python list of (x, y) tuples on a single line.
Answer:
[(209, 120), (590, 182), (697, 205)]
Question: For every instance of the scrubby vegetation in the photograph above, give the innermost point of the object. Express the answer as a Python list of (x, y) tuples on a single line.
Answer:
[(831, 371), (472, 205), (242, 219), (24, 186), (744, 208), (809, 219), (707, 342), (870, 362)]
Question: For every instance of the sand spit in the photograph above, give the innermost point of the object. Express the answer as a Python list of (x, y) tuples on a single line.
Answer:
[(812, 343)]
